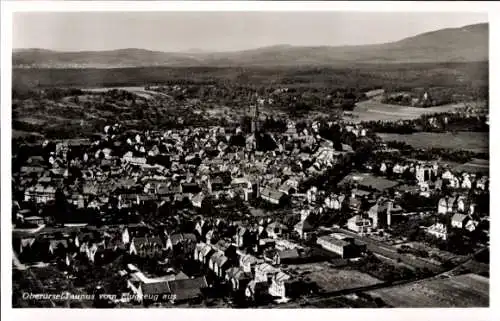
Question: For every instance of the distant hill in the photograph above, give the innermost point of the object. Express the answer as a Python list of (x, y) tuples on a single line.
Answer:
[(465, 44)]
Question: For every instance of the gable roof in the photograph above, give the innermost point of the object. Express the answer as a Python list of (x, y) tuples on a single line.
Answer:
[(188, 288), (459, 217), (304, 226), (271, 193), (147, 241), (288, 254), (155, 288), (177, 238)]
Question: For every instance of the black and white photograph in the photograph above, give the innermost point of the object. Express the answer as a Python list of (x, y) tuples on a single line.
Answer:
[(248, 160)]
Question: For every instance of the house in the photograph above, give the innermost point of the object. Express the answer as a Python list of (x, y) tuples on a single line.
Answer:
[(466, 181), (187, 289), (129, 158), (279, 285), (187, 240), (125, 236), (272, 196), (471, 225), (203, 252), (359, 224), (146, 246), (482, 183), (425, 172), (153, 292), (381, 213), (446, 205), (174, 291), (248, 262), (25, 244), (276, 230), (459, 220), (438, 230), (304, 228), (58, 246), (238, 278), (354, 203), (40, 194), (286, 256), (244, 237), (312, 194), (218, 263), (36, 220), (244, 185), (264, 271), (461, 202), (192, 188), (215, 184), (287, 188), (343, 246), (256, 290), (197, 200), (334, 201)]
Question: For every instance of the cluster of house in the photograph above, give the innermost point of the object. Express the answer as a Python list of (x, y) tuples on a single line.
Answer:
[(168, 166), (431, 176), (461, 212)]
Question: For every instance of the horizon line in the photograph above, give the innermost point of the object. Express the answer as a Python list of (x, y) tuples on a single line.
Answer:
[(200, 51)]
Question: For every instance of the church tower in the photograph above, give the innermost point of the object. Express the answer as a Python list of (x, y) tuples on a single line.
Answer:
[(255, 119)]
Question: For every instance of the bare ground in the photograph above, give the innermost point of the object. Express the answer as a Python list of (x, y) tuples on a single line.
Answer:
[(467, 290)]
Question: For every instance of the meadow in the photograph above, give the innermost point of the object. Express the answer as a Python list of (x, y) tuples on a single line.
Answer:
[(472, 141)]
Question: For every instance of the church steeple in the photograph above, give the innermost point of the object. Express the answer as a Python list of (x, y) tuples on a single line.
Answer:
[(255, 119)]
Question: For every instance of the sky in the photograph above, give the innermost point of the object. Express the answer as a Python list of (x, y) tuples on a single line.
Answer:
[(222, 31)]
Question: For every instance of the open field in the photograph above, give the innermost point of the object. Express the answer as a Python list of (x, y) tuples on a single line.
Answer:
[(472, 141), (475, 166), (138, 90), (373, 110), (331, 279), (369, 180), (467, 290)]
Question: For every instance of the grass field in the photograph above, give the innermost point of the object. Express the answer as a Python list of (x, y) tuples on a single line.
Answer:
[(472, 141), (467, 290), (373, 110), (331, 279), (475, 166), (138, 90)]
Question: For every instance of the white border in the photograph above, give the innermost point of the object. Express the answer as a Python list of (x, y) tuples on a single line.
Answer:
[(7, 8)]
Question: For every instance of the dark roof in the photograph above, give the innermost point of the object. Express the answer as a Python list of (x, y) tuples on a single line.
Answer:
[(177, 238), (333, 240), (56, 243), (156, 288), (289, 254), (274, 194), (147, 241), (188, 288)]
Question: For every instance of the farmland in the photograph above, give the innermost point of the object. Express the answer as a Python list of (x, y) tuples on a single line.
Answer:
[(467, 290), (471, 141), (332, 279), (373, 110)]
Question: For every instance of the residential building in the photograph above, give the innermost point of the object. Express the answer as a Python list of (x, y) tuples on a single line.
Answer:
[(279, 284), (459, 220), (438, 230), (344, 247), (272, 196), (359, 224)]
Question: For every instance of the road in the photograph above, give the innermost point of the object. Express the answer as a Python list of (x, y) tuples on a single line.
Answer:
[(329, 295)]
